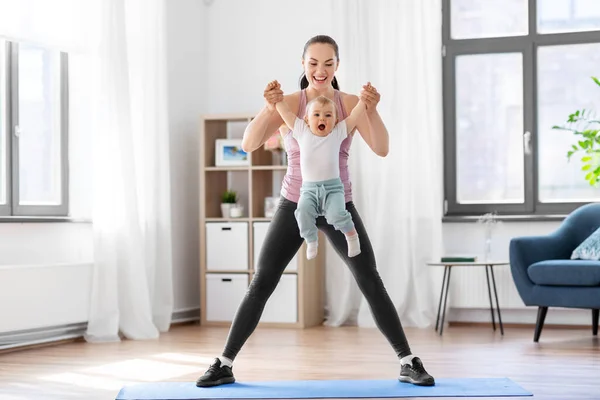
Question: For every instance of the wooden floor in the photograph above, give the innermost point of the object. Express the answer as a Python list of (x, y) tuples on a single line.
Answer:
[(564, 365)]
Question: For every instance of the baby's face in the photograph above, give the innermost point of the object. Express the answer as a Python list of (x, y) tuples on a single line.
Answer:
[(321, 119)]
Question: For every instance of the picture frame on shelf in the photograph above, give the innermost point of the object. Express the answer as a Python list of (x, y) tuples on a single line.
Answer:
[(229, 153)]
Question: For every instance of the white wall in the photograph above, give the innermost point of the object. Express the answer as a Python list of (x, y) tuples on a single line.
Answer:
[(251, 43), (38, 243), (45, 271), (187, 84)]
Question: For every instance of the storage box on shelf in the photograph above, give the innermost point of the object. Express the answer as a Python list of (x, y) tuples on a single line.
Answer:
[(230, 247)]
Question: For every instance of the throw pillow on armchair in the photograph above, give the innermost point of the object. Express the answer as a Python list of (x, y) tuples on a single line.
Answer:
[(589, 249)]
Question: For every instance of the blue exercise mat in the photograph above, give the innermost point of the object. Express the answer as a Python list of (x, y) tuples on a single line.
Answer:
[(339, 389)]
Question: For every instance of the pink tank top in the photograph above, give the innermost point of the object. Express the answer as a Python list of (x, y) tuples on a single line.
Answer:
[(290, 187)]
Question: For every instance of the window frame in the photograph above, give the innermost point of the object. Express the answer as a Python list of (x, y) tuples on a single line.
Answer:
[(13, 208), (5, 209), (528, 45)]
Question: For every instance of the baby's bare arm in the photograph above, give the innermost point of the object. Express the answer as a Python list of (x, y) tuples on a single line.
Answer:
[(286, 114), (356, 112)]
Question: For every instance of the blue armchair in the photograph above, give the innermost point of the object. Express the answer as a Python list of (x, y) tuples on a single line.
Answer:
[(544, 274)]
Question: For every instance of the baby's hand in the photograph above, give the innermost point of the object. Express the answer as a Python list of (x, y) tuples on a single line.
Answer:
[(366, 87), (273, 94), (369, 96)]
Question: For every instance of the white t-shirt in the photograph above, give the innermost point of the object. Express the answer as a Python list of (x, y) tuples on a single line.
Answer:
[(319, 156)]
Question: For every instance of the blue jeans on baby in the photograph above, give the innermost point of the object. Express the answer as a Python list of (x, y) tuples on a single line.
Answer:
[(324, 198)]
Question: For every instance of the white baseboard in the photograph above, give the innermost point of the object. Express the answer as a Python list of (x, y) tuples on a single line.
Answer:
[(29, 337), (10, 340), (186, 315), (528, 316)]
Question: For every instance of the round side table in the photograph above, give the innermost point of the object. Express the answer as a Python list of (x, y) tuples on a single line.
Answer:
[(489, 270)]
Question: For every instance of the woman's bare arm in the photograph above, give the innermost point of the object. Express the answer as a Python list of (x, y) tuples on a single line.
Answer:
[(369, 124), (375, 134), (268, 120), (260, 129)]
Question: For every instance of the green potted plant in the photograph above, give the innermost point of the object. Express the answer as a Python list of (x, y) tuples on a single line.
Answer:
[(228, 200), (585, 125)]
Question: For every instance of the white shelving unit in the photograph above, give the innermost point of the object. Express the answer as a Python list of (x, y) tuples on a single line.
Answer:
[(229, 246)]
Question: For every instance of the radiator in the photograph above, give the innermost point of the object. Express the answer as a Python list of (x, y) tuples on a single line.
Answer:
[(469, 300), (47, 303), (40, 296), (468, 288)]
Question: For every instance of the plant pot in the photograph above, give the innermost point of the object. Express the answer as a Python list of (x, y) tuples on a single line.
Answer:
[(226, 209), (236, 211), (271, 206)]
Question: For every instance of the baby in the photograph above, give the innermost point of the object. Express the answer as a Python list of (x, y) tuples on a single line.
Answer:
[(319, 136)]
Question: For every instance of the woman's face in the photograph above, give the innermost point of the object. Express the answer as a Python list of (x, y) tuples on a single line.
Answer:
[(320, 65)]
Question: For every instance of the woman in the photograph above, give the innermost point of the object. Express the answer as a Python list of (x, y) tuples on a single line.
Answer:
[(320, 61)]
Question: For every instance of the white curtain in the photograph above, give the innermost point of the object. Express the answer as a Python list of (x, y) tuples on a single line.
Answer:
[(118, 66), (396, 45), (57, 24), (132, 290)]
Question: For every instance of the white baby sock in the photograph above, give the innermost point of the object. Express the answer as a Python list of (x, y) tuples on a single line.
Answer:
[(311, 249), (353, 245)]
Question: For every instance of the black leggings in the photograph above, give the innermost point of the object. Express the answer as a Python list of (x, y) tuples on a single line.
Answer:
[(281, 244)]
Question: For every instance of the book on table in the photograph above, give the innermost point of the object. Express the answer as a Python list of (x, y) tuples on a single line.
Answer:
[(459, 258)]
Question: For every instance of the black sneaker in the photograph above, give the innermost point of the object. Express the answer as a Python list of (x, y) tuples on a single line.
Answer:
[(416, 374), (216, 375)]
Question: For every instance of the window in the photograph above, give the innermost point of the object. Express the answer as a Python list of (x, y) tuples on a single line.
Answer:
[(513, 69), (33, 131), (4, 163)]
